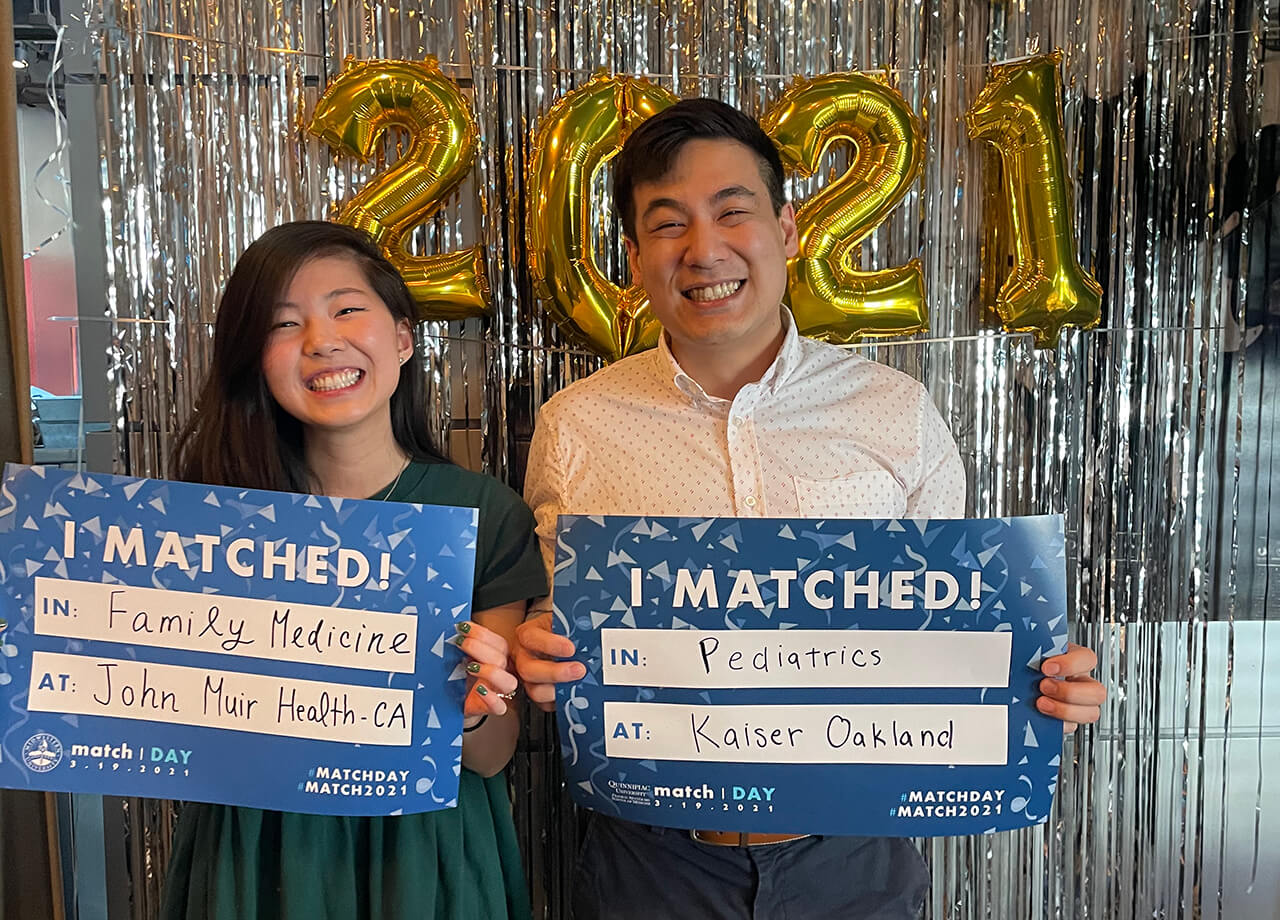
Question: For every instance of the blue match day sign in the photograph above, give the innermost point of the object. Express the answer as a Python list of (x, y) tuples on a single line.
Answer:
[(808, 676), (181, 641)]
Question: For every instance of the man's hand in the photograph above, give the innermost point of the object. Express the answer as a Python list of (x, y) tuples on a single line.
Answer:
[(1070, 694), (538, 651)]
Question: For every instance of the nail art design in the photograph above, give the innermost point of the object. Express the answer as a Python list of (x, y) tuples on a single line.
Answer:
[(473, 668)]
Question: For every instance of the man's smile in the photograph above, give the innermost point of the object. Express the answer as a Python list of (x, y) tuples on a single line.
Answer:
[(709, 293)]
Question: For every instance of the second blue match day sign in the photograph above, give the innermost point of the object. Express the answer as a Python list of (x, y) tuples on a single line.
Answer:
[(283, 651), (807, 676)]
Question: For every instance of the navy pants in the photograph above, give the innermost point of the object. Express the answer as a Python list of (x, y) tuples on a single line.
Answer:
[(635, 872)]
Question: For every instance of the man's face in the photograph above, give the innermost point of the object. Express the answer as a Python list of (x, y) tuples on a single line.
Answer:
[(710, 252)]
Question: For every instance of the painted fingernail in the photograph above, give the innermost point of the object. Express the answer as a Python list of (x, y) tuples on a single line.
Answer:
[(482, 690), (464, 627), (473, 668), (459, 639)]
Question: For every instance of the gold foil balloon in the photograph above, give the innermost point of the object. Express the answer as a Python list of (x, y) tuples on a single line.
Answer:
[(1019, 114), (371, 97), (830, 298), (581, 132)]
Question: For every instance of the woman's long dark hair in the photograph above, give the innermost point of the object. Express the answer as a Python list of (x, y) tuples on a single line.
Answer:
[(239, 435)]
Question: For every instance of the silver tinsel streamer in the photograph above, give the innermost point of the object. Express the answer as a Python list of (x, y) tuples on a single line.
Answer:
[(1155, 435)]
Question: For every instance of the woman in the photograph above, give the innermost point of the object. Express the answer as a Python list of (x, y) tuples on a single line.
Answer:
[(313, 389)]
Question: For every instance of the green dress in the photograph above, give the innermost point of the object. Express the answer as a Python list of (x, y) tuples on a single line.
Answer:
[(232, 863)]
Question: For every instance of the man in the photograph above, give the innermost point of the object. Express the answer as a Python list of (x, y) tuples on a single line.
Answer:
[(734, 414)]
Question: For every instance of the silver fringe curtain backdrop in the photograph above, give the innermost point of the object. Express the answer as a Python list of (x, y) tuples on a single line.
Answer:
[(1154, 434)]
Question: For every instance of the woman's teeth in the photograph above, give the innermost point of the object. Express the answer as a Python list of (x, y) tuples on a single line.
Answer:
[(335, 381), (715, 291)]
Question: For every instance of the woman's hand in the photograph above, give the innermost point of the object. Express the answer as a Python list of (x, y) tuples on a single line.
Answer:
[(489, 684)]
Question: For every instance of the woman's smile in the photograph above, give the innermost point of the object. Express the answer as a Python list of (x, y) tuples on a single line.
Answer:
[(335, 381)]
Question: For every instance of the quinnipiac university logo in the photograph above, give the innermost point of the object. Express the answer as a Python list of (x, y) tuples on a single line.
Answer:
[(42, 752)]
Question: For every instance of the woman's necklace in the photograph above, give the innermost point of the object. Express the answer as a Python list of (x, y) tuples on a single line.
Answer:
[(396, 481)]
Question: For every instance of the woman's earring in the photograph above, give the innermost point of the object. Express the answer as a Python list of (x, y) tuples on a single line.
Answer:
[(404, 358)]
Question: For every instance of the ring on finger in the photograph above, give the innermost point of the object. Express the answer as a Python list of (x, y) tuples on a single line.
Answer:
[(508, 696)]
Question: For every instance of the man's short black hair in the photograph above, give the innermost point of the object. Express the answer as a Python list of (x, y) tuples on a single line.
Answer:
[(651, 150)]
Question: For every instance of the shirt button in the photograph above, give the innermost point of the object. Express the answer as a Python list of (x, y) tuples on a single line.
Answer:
[(750, 501)]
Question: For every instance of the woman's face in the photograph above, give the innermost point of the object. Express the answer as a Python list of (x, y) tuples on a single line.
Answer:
[(333, 355)]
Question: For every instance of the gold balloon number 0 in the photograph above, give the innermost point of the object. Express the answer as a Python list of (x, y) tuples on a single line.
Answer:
[(577, 137), (372, 97), (1017, 113)]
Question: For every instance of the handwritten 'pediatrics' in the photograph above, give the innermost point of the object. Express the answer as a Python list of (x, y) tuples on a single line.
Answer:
[(706, 659)]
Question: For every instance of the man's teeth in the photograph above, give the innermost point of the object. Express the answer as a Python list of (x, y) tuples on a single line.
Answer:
[(715, 291), (335, 381)]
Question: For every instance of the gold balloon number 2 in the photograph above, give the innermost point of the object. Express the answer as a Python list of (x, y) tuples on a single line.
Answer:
[(830, 299), (372, 97), (1017, 113)]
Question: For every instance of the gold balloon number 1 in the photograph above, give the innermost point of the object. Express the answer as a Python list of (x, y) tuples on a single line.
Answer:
[(372, 97), (1018, 113)]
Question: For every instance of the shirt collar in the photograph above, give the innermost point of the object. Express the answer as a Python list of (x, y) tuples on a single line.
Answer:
[(786, 361)]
